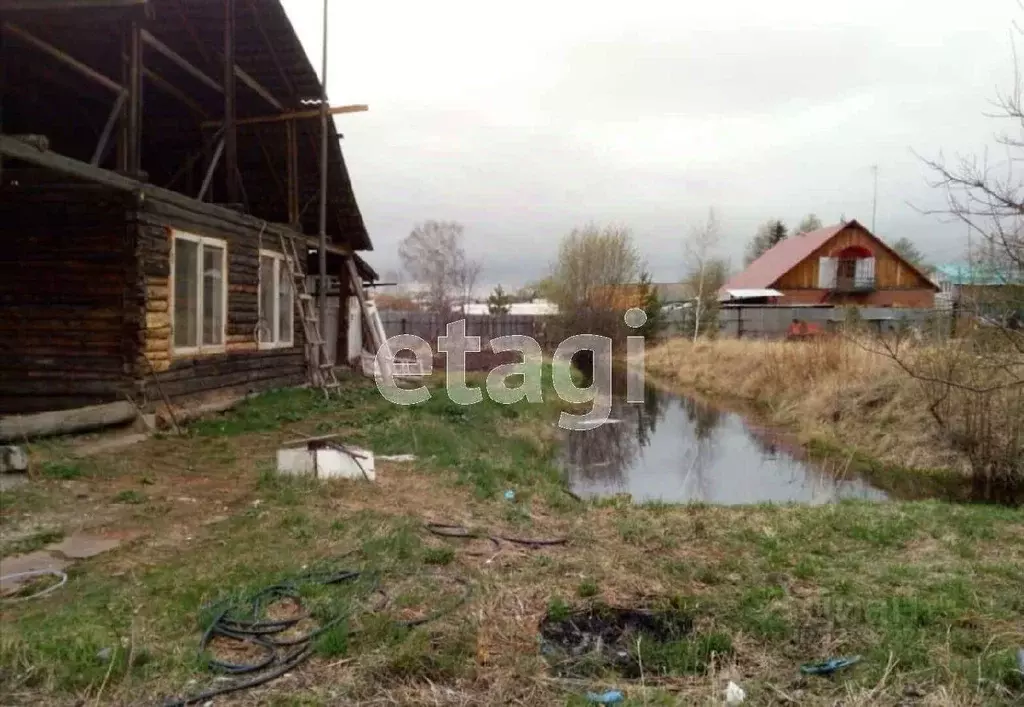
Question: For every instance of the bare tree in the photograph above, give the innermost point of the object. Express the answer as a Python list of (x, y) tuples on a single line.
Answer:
[(434, 256), (700, 247), (974, 383), (593, 262), (704, 289), (597, 271)]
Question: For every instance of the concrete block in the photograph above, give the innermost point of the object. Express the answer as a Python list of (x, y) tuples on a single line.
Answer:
[(13, 458), (326, 462)]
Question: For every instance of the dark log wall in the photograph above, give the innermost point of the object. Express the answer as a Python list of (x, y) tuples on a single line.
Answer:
[(243, 366), (65, 336)]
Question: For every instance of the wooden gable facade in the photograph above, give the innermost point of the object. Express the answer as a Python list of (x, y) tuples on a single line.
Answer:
[(884, 280)]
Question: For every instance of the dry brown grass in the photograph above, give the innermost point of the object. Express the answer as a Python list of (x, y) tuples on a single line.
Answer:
[(832, 389)]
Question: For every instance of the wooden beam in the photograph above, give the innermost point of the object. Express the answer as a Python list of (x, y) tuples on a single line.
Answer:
[(313, 243), (3, 92), (285, 79), (134, 98), (186, 167), (272, 167), (122, 123), (87, 71), (60, 422), (194, 71), (230, 132), (293, 115), (341, 345), (17, 149), (256, 86), (211, 169), (172, 90), (200, 46), (108, 129), (293, 173), (180, 61), (36, 5)]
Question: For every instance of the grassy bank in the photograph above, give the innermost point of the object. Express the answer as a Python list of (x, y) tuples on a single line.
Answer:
[(928, 593), (831, 392)]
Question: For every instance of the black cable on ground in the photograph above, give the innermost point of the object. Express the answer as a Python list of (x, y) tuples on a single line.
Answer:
[(449, 530), (240, 620)]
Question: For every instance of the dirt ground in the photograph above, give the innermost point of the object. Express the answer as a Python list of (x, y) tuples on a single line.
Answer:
[(927, 593)]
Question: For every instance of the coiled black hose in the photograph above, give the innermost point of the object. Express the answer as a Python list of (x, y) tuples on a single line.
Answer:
[(241, 620)]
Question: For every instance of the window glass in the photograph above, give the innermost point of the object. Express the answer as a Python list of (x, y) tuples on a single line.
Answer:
[(213, 295), (186, 301), (266, 299), (285, 308)]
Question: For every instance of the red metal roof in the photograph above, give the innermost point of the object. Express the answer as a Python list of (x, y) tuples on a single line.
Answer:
[(783, 257)]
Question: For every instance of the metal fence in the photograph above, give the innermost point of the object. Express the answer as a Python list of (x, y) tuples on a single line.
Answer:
[(429, 326), (777, 322)]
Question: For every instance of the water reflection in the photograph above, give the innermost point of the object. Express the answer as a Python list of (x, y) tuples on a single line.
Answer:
[(676, 449)]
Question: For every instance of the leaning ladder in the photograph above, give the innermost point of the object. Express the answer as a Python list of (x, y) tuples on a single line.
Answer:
[(318, 357), (379, 338)]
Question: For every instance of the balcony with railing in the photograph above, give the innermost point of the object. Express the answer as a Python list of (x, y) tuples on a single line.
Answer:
[(851, 271), (855, 283)]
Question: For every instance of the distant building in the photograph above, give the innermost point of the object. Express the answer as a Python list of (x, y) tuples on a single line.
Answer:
[(985, 290), (844, 264), (534, 308)]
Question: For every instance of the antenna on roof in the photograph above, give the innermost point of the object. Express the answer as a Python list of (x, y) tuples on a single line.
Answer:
[(874, 197)]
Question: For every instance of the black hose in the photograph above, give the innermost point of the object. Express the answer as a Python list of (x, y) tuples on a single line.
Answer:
[(240, 620)]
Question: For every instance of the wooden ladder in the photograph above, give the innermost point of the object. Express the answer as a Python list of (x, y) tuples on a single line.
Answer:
[(318, 356)]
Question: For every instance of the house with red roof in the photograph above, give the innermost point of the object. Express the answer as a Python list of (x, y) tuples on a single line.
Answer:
[(844, 264)]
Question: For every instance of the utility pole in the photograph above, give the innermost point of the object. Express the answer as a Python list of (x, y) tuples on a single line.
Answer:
[(874, 197), (230, 106), (323, 190)]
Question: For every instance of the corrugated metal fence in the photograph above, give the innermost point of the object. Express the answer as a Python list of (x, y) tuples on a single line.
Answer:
[(775, 322), (429, 326)]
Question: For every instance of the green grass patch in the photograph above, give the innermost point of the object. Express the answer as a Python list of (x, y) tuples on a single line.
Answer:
[(30, 543), (63, 469), (130, 496), (438, 555)]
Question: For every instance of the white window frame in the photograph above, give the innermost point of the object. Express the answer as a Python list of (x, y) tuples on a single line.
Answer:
[(276, 343), (200, 348)]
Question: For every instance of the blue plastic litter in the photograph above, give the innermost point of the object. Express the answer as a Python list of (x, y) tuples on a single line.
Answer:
[(828, 667), (610, 697), (510, 495)]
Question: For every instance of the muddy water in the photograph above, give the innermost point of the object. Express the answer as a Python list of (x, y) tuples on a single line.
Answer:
[(675, 449)]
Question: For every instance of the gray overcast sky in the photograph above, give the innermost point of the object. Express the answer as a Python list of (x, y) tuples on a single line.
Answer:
[(523, 120)]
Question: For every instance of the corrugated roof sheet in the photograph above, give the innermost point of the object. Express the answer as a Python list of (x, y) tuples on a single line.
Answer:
[(967, 274), (781, 258)]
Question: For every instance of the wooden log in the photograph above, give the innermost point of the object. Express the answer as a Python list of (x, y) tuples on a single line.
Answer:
[(59, 422)]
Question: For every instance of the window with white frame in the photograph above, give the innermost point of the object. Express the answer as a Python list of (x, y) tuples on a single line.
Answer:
[(200, 293), (276, 304)]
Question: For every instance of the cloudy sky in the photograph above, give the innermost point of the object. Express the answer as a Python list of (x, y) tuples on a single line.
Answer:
[(523, 120)]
